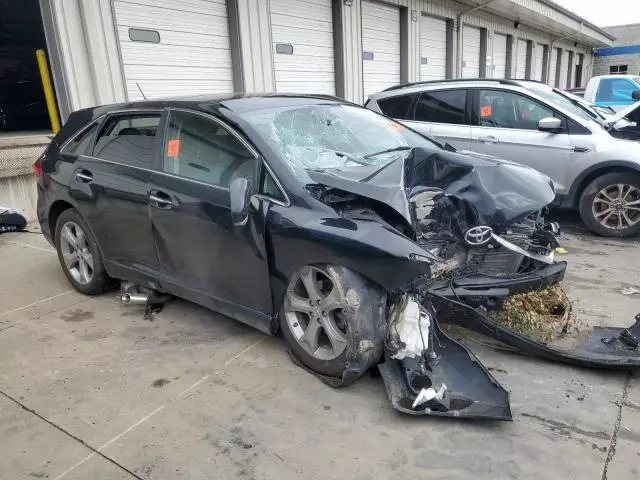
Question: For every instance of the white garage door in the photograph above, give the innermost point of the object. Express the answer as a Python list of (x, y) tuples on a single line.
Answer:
[(470, 52), (433, 48), (172, 48), (499, 56), (521, 59), (380, 47), (553, 67), (563, 70), (537, 66), (302, 37)]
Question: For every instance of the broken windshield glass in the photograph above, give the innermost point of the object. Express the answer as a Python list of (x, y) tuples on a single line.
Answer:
[(320, 137)]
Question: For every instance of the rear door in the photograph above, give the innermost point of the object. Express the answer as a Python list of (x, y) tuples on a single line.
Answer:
[(505, 124), (442, 113), (109, 184), (203, 256)]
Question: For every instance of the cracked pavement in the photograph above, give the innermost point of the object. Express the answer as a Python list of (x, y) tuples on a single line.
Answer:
[(91, 390)]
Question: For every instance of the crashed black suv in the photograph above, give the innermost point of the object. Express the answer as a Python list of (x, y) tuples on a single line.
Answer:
[(349, 232)]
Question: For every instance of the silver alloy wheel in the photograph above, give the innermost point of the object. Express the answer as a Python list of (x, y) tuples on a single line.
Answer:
[(617, 207), (77, 257), (313, 310)]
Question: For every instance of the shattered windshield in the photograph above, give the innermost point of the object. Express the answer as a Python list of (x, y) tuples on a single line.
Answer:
[(318, 137)]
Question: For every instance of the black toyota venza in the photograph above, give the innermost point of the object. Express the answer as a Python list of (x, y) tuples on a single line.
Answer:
[(349, 232)]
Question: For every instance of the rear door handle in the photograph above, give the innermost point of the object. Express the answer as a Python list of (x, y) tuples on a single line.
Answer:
[(160, 200), (84, 176), (488, 139)]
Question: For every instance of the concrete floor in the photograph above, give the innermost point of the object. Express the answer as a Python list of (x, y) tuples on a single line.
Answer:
[(88, 389)]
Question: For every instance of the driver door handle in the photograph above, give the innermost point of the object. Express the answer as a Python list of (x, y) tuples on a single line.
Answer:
[(160, 200), (84, 176), (488, 139)]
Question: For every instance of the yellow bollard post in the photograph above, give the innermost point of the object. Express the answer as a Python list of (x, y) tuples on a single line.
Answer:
[(48, 90)]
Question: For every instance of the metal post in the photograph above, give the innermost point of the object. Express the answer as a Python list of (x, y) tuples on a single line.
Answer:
[(48, 90)]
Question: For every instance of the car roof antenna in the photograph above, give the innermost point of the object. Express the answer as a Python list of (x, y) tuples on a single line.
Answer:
[(143, 95)]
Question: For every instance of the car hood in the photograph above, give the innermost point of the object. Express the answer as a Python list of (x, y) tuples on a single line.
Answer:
[(498, 192), (619, 115)]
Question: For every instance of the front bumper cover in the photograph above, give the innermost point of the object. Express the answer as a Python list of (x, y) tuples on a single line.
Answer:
[(491, 291)]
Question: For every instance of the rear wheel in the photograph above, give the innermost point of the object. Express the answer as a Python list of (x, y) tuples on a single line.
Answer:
[(322, 316), (610, 205), (79, 255)]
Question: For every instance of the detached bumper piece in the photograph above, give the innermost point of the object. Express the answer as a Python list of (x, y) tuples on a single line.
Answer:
[(491, 291), (607, 347), (444, 379)]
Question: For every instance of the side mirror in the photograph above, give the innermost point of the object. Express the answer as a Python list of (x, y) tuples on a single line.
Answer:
[(636, 95), (549, 124), (240, 194)]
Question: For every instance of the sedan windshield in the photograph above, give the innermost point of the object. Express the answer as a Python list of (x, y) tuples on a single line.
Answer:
[(317, 137)]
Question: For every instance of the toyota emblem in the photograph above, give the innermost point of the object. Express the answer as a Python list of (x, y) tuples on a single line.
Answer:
[(477, 236)]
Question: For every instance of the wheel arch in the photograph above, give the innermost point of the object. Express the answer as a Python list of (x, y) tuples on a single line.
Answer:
[(55, 211), (588, 175)]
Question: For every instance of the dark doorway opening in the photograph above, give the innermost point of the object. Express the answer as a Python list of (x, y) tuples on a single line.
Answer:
[(22, 101), (578, 77)]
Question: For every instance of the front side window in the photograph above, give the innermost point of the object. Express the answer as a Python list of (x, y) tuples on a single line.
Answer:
[(503, 109), (442, 107), (128, 139), (397, 107), (334, 136), (200, 148), (616, 90)]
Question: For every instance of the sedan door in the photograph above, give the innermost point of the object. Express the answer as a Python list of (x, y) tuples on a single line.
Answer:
[(505, 125), (204, 257), (108, 182)]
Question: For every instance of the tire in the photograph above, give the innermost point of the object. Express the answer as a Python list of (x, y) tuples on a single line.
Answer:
[(338, 318), (93, 278), (608, 212)]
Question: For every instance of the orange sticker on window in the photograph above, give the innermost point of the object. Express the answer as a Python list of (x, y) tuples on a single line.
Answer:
[(485, 111), (173, 148)]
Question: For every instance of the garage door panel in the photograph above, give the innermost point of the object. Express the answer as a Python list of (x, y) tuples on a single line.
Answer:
[(186, 39), (433, 48), (381, 36), (538, 66), (499, 56), (553, 67), (306, 25), (193, 56), (521, 58), (141, 16), (470, 52), (157, 54), (289, 34)]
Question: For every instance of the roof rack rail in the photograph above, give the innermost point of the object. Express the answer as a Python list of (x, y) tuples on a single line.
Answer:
[(502, 81)]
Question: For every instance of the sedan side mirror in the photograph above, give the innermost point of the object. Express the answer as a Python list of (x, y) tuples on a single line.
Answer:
[(240, 193), (636, 95), (550, 124)]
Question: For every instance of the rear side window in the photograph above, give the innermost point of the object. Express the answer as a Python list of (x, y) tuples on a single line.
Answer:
[(128, 139), (81, 144), (201, 149), (397, 107), (442, 107)]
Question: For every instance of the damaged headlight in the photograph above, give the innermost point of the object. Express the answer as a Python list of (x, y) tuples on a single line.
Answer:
[(420, 258)]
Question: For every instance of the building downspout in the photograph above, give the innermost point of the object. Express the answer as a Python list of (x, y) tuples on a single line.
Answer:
[(459, 34)]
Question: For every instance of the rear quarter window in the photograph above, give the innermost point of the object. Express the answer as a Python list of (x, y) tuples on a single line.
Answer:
[(82, 143), (397, 107)]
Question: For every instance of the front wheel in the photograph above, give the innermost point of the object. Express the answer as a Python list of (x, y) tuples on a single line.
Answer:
[(328, 315), (610, 205)]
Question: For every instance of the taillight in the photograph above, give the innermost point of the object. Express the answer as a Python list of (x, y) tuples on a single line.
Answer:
[(37, 167)]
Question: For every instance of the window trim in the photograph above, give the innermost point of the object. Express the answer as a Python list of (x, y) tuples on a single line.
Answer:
[(466, 117), (259, 159), (476, 116)]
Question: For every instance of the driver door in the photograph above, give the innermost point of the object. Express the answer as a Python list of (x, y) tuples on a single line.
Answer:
[(203, 256), (505, 124)]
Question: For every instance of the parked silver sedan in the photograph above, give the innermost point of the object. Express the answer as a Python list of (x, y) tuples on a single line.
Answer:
[(533, 124)]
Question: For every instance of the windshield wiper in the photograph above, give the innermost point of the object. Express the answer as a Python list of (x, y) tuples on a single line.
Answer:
[(349, 157), (388, 150)]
